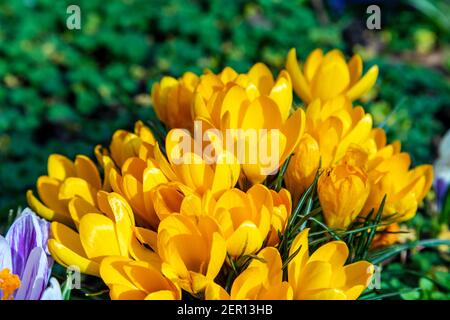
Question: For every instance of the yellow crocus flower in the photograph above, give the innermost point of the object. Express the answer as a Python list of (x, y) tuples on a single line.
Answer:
[(386, 236), (124, 145), (192, 170), (192, 250), (404, 188), (254, 104), (172, 100), (324, 275), (110, 233), (332, 128), (282, 209), (303, 166), (168, 198), (136, 280), (135, 181), (262, 280), (335, 126), (66, 179), (244, 218), (327, 76), (343, 191)]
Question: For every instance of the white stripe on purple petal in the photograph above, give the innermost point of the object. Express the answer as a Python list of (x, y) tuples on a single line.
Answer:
[(23, 236), (35, 275), (53, 292), (5, 254)]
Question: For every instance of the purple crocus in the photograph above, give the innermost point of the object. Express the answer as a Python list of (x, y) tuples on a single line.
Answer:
[(23, 252), (442, 170)]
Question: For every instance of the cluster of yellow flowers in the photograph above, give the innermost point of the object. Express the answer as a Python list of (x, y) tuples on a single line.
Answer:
[(151, 226)]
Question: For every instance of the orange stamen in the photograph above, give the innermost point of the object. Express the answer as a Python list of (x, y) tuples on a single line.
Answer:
[(8, 283)]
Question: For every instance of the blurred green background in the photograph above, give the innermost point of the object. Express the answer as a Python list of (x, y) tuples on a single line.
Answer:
[(67, 90)]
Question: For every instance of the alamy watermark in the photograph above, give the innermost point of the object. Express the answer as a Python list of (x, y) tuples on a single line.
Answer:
[(373, 22), (375, 282), (73, 274), (73, 21)]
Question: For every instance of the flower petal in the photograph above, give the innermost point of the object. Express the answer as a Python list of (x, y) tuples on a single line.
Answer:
[(5, 254), (299, 82), (364, 84), (23, 236), (35, 276), (53, 291)]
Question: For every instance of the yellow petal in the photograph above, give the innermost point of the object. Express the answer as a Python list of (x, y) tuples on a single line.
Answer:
[(327, 294), (262, 77), (124, 221), (272, 260), (281, 93), (249, 283), (46, 212), (331, 79), (139, 252), (72, 187), (119, 292), (59, 167), (312, 64), (67, 237), (316, 275), (48, 190), (262, 113), (98, 236), (163, 295), (355, 66), (67, 257), (218, 253), (335, 252), (78, 207), (358, 276), (215, 292), (246, 239), (226, 174), (364, 84), (293, 130), (299, 82), (359, 133), (280, 291), (296, 265), (145, 277), (87, 170), (112, 273)]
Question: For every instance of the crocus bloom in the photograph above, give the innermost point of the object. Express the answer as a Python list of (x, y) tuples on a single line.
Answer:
[(172, 100), (386, 236), (327, 76), (260, 107), (442, 170), (136, 280), (192, 250), (404, 188), (303, 166), (81, 178), (65, 180), (192, 169), (124, 145), (336, 125), (135, 181), (25, 266), (262, 280), (109, 232), (342, 191), (324, 275)]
